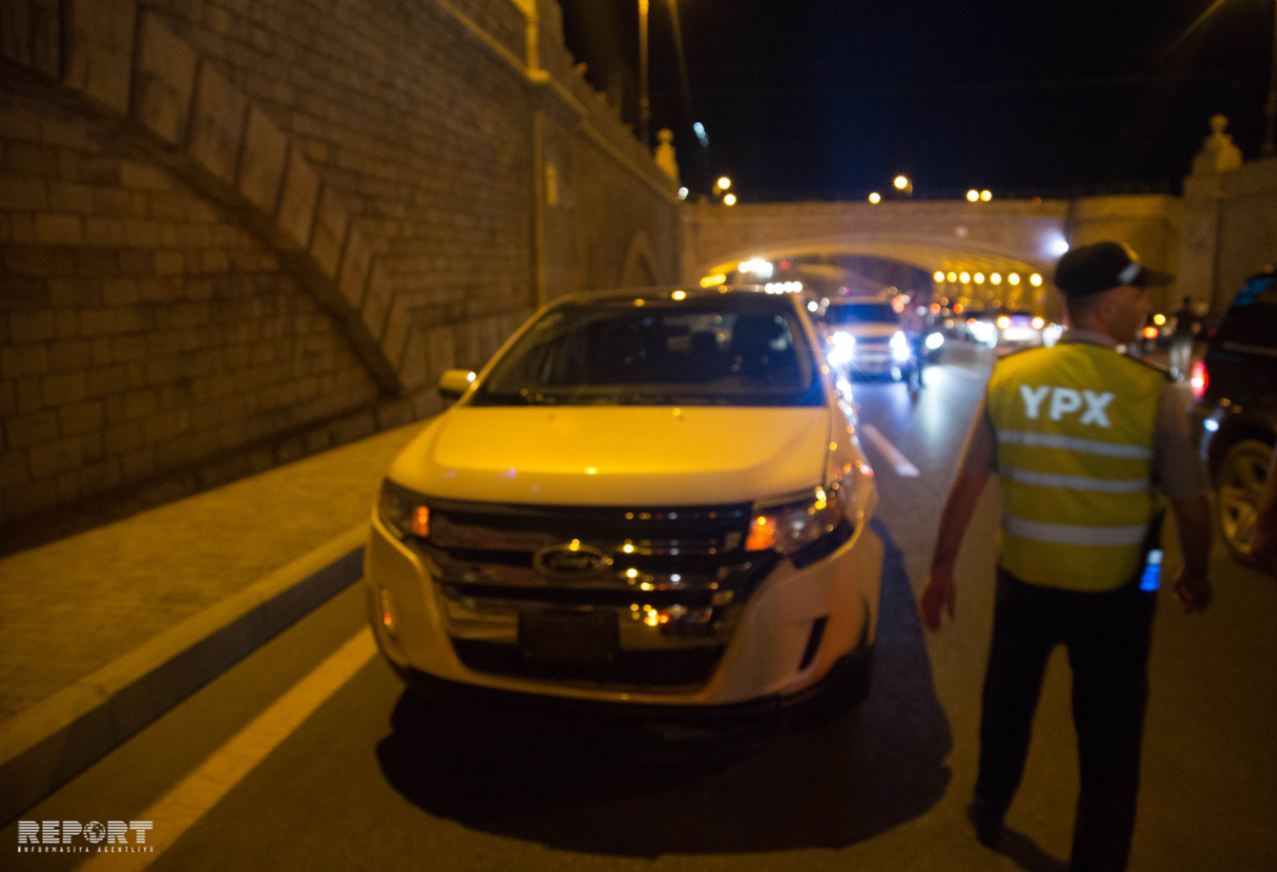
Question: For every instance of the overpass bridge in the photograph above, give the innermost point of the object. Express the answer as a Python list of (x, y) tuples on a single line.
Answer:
[(997, 246)]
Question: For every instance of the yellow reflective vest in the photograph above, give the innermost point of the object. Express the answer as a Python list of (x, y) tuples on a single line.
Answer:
[(1075, 428)]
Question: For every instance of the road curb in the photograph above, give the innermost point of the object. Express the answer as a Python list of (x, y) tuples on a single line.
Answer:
[(48, 744)]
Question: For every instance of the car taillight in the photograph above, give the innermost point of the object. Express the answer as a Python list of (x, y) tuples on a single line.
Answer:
[(1150, 332), (1199, 380)]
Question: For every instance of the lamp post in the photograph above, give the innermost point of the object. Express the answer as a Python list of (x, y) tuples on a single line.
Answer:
[(645, 105), (1269, 148)]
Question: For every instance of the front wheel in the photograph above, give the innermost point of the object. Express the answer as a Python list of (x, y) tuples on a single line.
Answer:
[(1238, 486)]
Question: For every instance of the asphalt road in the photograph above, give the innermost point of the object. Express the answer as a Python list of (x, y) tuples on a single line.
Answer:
[(283, 763)]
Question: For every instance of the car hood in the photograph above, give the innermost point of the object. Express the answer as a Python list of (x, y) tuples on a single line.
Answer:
[(873, 330), (617, 456)]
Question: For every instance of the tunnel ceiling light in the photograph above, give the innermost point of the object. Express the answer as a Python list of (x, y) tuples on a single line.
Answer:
[(1013, 280), (1036, 280), (938, 275), (964, 277)]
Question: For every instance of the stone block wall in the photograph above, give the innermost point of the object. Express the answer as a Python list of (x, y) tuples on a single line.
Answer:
[(1230, 230), (235, 231)]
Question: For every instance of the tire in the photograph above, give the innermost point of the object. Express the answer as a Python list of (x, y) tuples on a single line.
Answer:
[(1238, 485)]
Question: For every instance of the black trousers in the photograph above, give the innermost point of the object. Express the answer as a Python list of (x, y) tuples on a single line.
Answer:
[(1107, 636)]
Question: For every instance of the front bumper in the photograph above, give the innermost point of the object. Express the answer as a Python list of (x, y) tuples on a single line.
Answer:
[(783, 640)]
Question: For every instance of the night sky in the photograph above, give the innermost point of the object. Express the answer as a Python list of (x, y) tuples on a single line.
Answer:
[(807, 99)]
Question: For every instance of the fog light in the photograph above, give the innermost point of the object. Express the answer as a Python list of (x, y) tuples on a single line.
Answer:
[(387, 603)]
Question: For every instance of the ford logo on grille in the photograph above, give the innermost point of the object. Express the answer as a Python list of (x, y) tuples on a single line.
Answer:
[(571, 561)]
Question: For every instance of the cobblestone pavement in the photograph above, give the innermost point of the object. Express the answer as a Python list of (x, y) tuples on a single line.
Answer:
[(70, 607)]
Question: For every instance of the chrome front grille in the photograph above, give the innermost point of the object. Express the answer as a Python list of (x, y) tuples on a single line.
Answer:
[(671, 581)]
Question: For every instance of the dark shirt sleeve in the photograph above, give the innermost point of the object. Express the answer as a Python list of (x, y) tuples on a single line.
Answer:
[(1177, 466), (981, 454)]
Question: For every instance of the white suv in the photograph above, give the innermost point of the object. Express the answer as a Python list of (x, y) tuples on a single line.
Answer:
[(648, 502)]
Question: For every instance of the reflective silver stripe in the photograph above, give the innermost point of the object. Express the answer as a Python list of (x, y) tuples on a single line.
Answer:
[(1075, 443), (1074, 534), (1076, 482)]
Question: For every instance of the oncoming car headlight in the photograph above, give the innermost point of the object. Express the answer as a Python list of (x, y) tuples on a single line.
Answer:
[(795, 527), (900, 346), (404, 512)]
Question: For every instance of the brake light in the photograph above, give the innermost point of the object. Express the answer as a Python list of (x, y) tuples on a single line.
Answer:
[(1199, 380), (1150, 332)]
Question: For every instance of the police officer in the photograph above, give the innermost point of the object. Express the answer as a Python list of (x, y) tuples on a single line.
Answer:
[(1083, 439)]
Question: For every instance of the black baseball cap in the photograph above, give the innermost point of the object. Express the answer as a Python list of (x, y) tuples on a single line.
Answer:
[(1090, 269)]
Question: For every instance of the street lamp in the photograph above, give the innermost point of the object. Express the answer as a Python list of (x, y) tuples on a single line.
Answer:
[(1269, 148), (645, 105), (723, 184), (875, 198), (903, 184), (729, 200)]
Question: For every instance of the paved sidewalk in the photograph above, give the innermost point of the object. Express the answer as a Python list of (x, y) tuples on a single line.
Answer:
[(92, 616)]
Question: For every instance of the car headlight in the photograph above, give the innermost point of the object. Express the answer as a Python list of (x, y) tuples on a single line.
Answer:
[(841, 339), (900, 346), (404, 512), (790, 528), (934, 341)]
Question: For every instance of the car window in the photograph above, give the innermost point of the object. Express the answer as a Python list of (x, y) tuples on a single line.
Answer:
[(861, 313), (1252, 319), (719, 351)]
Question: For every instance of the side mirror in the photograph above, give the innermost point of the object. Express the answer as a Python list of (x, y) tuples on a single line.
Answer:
[(455, 382)]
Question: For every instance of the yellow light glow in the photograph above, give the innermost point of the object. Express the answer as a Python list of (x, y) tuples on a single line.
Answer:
[(715, 279), (964, 277), (762, 534), (986, 195), (679, 295), (591, 470), (938, 275), (1003, 322), (822, 500), (647, 585), (1159, 319), (1013, 280), (628, 547), (951, 276), (420, 523), (978, 278), (1036, 280), (1039, 323), (729, 200), (875, 198), (640, 303), (973, 195), (631, 573), (900, 182), (995, 279), (723, 183)]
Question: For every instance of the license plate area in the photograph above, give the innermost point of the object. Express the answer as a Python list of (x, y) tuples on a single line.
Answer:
[(569, 637)]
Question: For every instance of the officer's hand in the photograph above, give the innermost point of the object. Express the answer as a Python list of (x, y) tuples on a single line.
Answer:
[(941, 593), (1193, 590)]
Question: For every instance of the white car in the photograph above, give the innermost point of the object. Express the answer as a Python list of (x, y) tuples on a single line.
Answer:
[(866, 337), (646, 503)]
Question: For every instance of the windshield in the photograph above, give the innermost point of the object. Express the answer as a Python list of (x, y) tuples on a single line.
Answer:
[(730, 350), (861, 313)]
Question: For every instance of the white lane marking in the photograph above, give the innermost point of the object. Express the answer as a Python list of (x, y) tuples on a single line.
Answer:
[(897, 460), (188, 801)]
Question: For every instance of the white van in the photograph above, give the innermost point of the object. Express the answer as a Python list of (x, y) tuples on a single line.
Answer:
[(648, 502)]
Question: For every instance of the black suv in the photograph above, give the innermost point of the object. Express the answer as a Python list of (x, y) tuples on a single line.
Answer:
[(1236, 389)]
